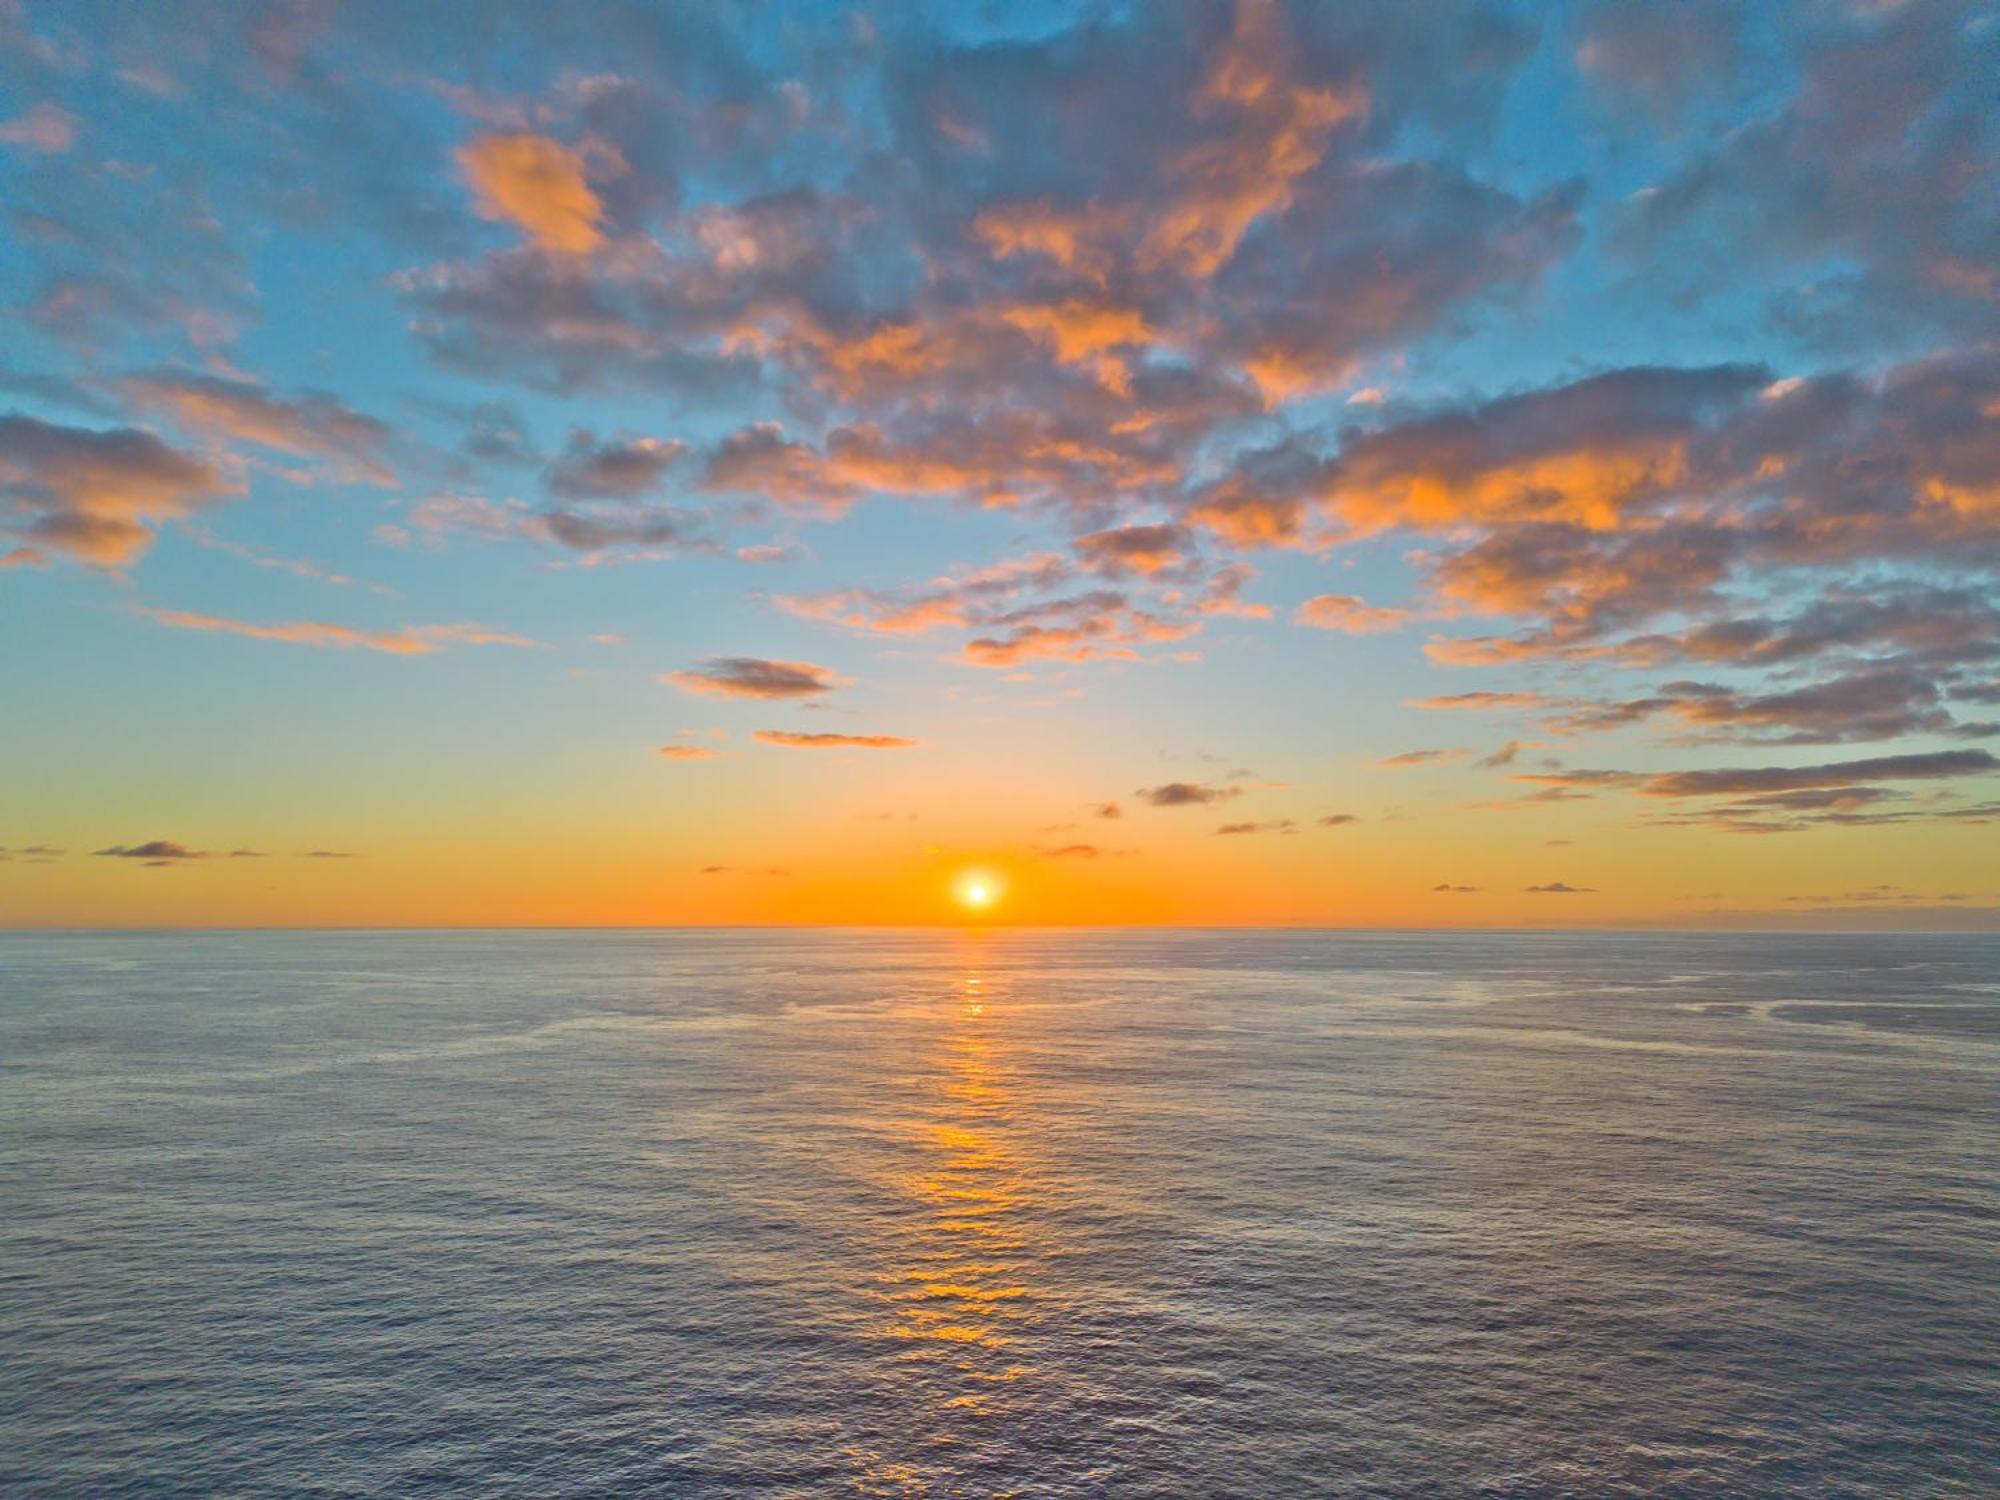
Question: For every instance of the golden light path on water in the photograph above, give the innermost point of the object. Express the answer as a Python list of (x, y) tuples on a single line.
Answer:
[(958, 1293)]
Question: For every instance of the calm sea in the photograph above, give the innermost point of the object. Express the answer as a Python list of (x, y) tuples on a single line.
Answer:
[(805, 1213)]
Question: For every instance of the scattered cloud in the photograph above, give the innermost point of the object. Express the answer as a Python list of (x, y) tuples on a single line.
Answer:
[(98, 496), (832, 741), (1410, 758), (46, 128), (588, 469), (238, 410), (407, 640), (539, 185), (162, 852), (1185, 794), (1350, 615), (1483, 702), (757, 677)]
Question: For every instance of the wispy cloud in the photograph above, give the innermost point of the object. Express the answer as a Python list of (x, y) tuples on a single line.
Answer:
[(796, 741), (1350, 615), (407, 640), (1407, 758)]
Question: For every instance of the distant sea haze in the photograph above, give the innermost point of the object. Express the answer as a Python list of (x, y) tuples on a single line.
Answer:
[(789, 1213)]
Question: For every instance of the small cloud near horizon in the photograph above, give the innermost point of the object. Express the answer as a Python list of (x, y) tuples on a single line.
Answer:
[(757, 677), (1185, 794), (1420, 758), (796, 741)]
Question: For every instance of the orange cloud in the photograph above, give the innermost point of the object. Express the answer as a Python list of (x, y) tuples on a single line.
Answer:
[(1240, 516), (1142, 549), (96, 495), (1075, 239), (1276, 133), (537, 184), (1420, 758), (1345, 612), (411, 640), (1081, 332), (794, 741), (316, 426), (689, 752)]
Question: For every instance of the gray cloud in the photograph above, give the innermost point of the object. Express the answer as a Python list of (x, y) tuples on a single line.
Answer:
[(756, 677)]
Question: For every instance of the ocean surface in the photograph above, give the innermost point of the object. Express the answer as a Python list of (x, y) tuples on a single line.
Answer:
[(809, 1213)]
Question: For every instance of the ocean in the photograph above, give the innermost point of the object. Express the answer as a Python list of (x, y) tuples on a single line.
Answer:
[(1013, 1213)]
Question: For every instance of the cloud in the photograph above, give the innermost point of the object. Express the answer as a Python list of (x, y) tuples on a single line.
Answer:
[(1339, 820), (1784, 799), (1662, 56), (1889, 116), (330, 854), (45, 128), (1025, 617), (408, 640), (629, 525), (1108, 810), (587, 469), (538, 185), (832, 741), (1083, 627), (1072, 851), (1446, 888), (1410, 758), (1557, 888), (1184, 794), (1146, 550), (316, 426), (1928, 766), (689, 752), (1866, 705), (158, 853), (1481, 702), (1353, 616), (957, 599), (97, 495), (1280, 825), (155, 849), (755, 677)]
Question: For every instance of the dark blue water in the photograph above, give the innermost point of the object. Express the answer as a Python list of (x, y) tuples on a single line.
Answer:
[(810, 1213)]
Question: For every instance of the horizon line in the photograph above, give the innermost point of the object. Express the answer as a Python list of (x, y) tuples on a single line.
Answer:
[(1469, 929)]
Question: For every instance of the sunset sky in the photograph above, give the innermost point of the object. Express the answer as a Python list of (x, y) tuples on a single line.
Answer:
[(1447, 464)]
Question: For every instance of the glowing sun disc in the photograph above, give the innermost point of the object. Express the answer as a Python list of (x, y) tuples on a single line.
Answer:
[(976, 890)]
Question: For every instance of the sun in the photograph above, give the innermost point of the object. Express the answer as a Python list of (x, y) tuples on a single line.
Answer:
[(976, 890)]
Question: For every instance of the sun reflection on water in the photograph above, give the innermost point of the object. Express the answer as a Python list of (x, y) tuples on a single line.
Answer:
[(960, 1295)]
